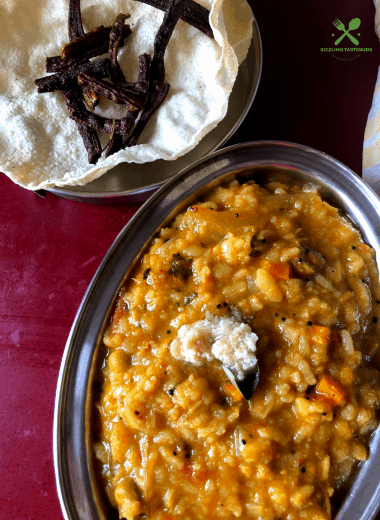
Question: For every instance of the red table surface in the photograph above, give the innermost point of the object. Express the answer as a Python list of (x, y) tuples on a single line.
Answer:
[(51, 248)]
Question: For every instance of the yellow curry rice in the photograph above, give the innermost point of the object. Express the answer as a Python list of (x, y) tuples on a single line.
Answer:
[(177, 440)]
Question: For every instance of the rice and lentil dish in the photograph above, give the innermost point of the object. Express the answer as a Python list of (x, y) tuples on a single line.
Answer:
[(177, 440)]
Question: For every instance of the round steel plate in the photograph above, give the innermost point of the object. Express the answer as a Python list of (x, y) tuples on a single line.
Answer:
[(132, 183)]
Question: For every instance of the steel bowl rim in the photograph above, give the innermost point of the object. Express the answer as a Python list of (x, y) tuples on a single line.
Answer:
[(145, 208)]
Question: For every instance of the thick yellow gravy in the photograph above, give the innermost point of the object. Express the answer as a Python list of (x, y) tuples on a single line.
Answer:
[(176, 439)]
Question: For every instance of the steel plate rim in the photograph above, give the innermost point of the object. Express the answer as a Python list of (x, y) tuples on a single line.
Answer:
[(372, 508), (64, 192)]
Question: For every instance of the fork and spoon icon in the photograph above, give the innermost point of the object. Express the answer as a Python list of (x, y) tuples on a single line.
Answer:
[(352, 26)]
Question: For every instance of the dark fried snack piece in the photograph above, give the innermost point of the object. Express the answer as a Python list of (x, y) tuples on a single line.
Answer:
[(144, 68), (142, 85), (91, 98), (59, 64), (115, 40), (75, 31), (194, 14), (95, 38), (74, 101), (155, 98), (114, 145), (164, 33), (68, 78), (144, 72), (74, 97), (158, 90), (75, 20), (103, 124), (116, 94)]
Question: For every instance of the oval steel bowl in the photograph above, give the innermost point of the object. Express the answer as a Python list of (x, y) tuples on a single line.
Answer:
[(72, 455)]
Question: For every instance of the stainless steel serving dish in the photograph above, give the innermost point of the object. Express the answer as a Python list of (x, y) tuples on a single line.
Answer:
[(72, 455), (131, 182)]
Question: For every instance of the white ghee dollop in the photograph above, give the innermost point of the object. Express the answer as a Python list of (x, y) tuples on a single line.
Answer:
[(231, 342)]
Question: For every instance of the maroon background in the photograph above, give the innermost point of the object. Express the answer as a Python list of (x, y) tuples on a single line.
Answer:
[(50, 248)]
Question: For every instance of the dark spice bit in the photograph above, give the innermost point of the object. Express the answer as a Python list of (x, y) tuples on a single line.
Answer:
[(310, 323), (180, 267), (303, 470), (225, 304), (243, 441), (324, 413), (308, 398), (374, 320), (283, 319), (257, 245), (171, 391), (378, 302), (175, 453), (168, 332), (68, 78), (146, 273), (187, 455), (236, 214), (353, 247), (219, 306), (136, 412)]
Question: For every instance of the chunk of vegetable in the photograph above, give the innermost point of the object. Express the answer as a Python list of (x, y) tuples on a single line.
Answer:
[(319, 335), (232, 391), (280, 271), (329, 388)]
